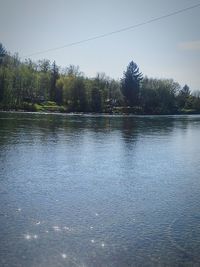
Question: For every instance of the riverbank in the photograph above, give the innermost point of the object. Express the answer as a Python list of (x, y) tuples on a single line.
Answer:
[(118, 111)]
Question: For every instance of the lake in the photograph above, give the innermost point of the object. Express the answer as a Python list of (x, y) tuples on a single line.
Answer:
[(98, 191)]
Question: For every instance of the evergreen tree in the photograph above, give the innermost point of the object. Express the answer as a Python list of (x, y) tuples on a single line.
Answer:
[(130, 84)]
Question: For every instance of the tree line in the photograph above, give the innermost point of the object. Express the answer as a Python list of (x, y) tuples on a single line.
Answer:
[(42, 85)]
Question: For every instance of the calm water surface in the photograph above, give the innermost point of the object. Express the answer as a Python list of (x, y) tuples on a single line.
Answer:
[(99, 191)]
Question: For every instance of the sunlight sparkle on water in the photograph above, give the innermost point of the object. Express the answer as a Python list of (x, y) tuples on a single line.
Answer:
[(28, 237), (56, 228), (64, 256), (66, 228)]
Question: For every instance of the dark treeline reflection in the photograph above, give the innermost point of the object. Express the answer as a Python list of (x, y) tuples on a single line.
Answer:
[(52, 127)]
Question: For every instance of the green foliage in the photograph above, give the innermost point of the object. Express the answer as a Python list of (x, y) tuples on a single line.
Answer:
[(128, 110), (37, 107), (158, 96), (96, 99), (29, 107), (78, 95), (183, 98), (74, 91), (196, 100), (48, 106), (115, 96)]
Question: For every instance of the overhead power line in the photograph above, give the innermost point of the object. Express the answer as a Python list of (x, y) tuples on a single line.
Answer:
[(117, 31)]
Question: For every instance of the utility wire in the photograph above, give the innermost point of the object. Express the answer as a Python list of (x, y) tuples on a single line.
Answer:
[(117, 31)]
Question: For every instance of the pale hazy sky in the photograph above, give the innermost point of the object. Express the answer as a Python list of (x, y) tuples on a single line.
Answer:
[(169, 48)]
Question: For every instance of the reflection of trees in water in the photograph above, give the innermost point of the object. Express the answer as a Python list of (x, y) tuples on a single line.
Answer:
[(129, 129), (166, 125), (157, 126), (133, 127), (20, 128), (43, 127), (48, 127)]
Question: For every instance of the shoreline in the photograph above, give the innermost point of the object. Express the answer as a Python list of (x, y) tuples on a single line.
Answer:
[(97, 114)]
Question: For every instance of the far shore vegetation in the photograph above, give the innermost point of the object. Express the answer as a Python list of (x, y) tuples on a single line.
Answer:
[(43, 86)]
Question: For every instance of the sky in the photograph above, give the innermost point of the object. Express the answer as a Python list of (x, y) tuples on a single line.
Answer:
[(168, 48)]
